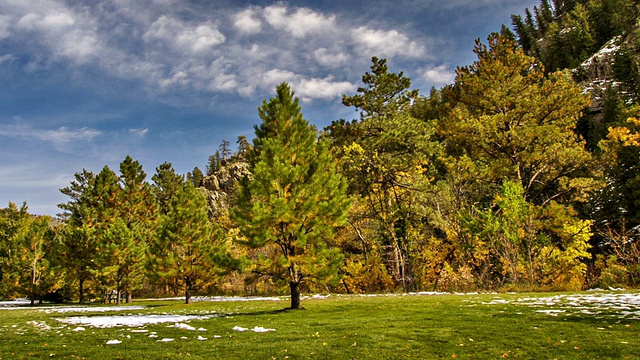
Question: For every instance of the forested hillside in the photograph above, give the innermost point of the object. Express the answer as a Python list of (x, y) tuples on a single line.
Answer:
[(524, 174)]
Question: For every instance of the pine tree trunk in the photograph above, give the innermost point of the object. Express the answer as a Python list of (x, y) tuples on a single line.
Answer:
[(295, 295), (81, 299)]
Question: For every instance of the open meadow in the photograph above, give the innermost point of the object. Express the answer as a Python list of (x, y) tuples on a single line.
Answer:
[(587, 325)]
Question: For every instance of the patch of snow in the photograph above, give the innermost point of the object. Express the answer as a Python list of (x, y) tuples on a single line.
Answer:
[(14, 303), (79, 328), (114, 342), (165, 340), (551, 312), (66, 309), (223, 298), (130, 321), (41, 325), (608, 48), (183, 326), (601, 303), (260, 329), (201, 338), (239, 328)]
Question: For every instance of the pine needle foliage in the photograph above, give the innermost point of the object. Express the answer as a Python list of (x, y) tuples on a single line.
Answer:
[(295, 199)]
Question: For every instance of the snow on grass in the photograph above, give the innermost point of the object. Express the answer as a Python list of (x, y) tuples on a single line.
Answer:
[(257, 329), (67, 309), (130, 320), (183, 326), (12, 304), (598, 304), (114, 342)]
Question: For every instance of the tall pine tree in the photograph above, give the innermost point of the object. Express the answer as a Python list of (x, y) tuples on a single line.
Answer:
[(295, 199)]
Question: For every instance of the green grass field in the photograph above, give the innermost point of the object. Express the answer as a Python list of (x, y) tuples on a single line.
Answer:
[(524, 326)]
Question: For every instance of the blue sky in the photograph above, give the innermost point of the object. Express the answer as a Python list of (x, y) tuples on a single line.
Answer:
[(85, 83)]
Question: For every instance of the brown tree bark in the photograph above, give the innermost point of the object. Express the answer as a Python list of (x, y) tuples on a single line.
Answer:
[(295, 295)]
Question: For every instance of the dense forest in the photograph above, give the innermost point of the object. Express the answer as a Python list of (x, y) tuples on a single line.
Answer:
[(524, 174)]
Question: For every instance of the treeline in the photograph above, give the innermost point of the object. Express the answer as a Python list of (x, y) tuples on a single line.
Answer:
[(522, 175)]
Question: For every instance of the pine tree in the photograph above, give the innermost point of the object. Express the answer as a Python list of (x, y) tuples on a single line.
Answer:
[(510, 123), (295, 199), (387, 158), (517, 124), (14, 228), (183, 254), (134, 227), (166, 182)]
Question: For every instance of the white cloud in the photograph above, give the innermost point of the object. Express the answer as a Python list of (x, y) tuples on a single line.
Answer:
[(5, 25), (54, 21), (139, 132), (307, 88), (152, 42), (79, 45), (325, 88), (179, 77), (439, 75), (61, 135), (330, 58), (7, 58), (181, 36), (246, 22), (273, 77), (301, 23), (387, 43)]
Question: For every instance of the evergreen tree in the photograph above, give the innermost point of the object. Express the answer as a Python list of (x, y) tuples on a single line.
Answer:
[(166, 182), (384, 93), (77, 240), (183, 252), (511, 123), (196, 177), (130, 233), (14, 227), (295, 199), (516, 124)]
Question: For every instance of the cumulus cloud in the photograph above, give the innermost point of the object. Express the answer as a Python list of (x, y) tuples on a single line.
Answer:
[(387, 43), (274, 77), (55, 21), (307, 88), (330, 58), (300, 23), (152, 42), (439, 75), (246, 22), (184, 37), (79, 45), (325, 88)]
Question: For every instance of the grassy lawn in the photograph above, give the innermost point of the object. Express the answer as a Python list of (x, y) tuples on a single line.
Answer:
[(523, 326)]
